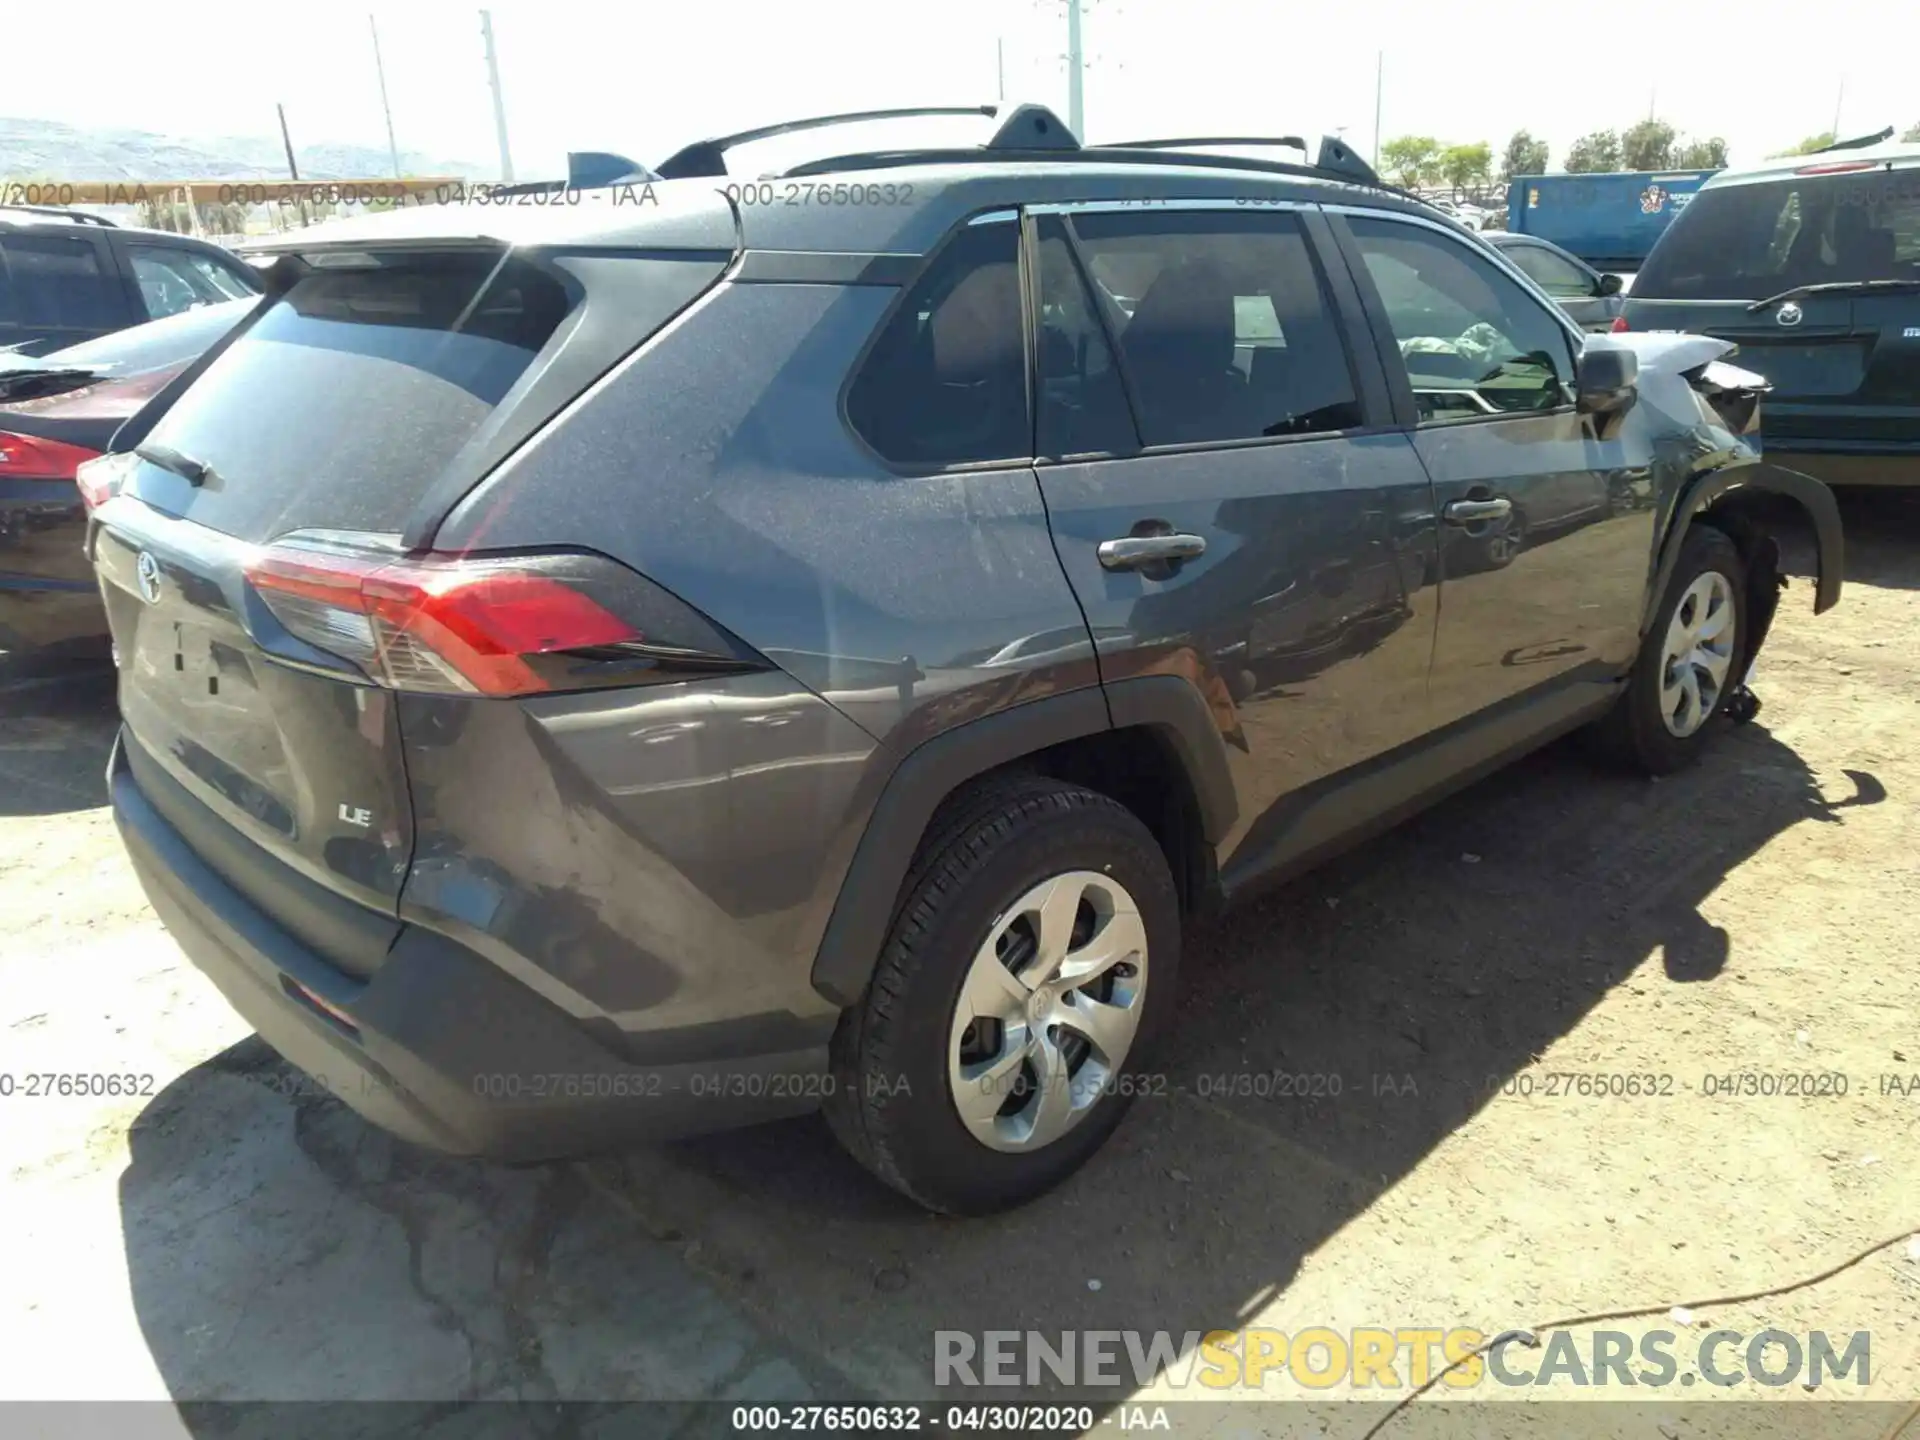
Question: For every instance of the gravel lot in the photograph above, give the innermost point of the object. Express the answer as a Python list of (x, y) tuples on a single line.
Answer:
[(232, 1236)]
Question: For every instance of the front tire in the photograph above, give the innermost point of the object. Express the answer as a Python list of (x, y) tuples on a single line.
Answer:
[(1690, 662), (1030, 967)]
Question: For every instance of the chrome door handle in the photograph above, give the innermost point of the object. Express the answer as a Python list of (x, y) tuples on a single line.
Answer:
[(1472, 512), (1137, 550)]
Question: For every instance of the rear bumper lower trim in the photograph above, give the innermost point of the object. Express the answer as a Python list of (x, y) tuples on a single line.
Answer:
[(447, 1050)]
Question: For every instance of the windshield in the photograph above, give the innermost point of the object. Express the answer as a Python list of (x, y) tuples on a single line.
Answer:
[(1746, 242)]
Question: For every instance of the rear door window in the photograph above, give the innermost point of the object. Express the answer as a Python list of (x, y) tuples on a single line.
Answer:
[(58, 282), (354, 390), (1083, 404), (1751, 240), (1223, 324), (945, 381)]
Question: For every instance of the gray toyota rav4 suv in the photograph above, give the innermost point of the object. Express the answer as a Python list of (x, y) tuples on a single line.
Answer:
[(609, 664)]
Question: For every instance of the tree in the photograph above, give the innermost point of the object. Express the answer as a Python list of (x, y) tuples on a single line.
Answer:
[(1595, 153), (1524, 156), (1466, 166), (1911, 135), (1807, 146), (1647, 146), (1700, 155), (1411, 160)]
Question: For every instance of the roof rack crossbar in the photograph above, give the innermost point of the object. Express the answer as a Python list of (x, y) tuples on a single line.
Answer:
[(1858, 142), (1333, 158), (708, 157), (79, 217)]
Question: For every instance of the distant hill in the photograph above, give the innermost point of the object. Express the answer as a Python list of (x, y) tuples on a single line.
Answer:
[(42, 149)]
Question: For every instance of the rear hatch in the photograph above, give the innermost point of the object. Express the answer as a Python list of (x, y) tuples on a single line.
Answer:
[(262, 556), (1815, 275)]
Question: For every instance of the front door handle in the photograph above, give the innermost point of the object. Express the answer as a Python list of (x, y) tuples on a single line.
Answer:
[(1136, 551), (1472, 512)]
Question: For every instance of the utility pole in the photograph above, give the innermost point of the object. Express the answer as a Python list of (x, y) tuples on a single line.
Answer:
[(1379, 85), (386, 109), (1000, 63), (499, 101), (292, 169), (1076, 63), (1836, 106)]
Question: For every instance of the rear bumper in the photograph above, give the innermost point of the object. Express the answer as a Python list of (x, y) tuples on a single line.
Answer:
[(1883, 467), (49, 600), (440, 1046)]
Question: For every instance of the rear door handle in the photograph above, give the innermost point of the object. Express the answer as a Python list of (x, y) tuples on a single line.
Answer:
[(1472, 512), (1138, 550)]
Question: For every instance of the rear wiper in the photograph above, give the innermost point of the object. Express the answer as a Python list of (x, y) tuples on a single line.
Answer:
[(30, 384), (1834, 287), (168, 458)]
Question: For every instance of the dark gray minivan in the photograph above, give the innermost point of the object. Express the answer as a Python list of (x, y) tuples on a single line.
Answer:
[(610, 664)]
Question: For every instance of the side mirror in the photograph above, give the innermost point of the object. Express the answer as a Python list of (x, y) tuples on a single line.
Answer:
[(1611, 285), (1606, 381)]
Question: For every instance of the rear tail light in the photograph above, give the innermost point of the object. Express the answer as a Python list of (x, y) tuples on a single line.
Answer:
[(1619, 326), (100, 479), (463, 625), (28, 457)]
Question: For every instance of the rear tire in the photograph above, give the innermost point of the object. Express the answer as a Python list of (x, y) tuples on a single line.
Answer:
[(1690, 661), (1038, 935)]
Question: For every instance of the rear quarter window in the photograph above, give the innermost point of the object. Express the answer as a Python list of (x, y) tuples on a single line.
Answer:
[(945, 382)]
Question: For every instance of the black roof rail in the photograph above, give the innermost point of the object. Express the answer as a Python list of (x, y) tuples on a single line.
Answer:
[(1334, 156), (885, 159), (60, 212), (1858, 142), (1027, 127)]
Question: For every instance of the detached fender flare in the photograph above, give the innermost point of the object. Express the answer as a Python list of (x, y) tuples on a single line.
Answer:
[(930, 772), (1814, 497)]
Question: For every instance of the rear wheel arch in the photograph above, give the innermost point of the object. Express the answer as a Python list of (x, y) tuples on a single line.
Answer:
[(1150, 743)]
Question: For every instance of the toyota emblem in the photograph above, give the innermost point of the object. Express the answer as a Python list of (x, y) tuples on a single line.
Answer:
[(1789, 314), (147, 571)]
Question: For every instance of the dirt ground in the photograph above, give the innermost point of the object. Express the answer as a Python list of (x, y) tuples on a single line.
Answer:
[(233, 1236)]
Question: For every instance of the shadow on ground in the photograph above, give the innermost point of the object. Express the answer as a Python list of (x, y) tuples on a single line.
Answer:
[(279, 1247)]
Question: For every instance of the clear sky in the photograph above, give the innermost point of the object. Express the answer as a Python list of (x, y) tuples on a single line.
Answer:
[(643, 78)]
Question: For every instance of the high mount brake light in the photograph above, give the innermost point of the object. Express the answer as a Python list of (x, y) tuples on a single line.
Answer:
[(29, 457), (438, 624), (1838, 167)]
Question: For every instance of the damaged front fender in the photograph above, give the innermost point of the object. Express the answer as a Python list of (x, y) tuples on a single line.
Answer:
[(1702, 411)]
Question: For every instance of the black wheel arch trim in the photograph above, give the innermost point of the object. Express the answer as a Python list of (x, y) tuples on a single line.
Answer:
[(857, 928), (1813, 497)]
